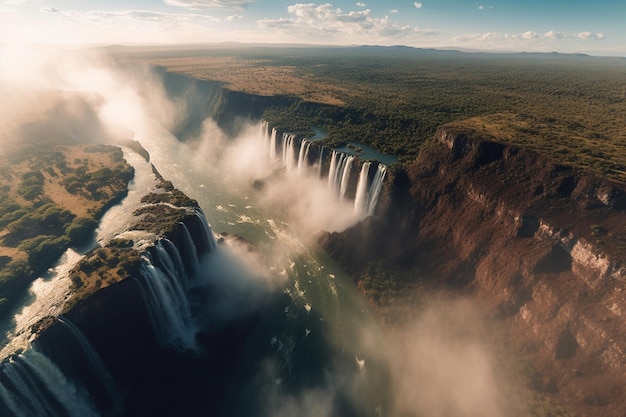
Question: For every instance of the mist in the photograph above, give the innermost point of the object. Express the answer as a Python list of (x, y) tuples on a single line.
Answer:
[(439, 363), (303, 199), (444, 363), (76, 95)]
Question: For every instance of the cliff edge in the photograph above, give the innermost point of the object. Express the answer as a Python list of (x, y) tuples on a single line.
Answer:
[(539, 244)]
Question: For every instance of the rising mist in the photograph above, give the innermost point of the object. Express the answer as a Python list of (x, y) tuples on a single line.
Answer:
[(438, 364)]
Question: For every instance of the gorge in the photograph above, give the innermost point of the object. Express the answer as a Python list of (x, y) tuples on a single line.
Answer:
[(168, 318)]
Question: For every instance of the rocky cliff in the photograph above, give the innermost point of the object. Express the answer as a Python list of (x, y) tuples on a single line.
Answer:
[(122, 332), (539, 244)]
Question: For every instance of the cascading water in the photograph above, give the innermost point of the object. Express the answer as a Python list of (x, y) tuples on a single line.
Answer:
[(303, 155), (94, 363), (339, 174), (361, 197), (207, 235), (165, 295), (339, 171), (374, 190), (264, 129), (345, 176), (367, 196), (332, 170), (320, 162), (31, 385), (288, 152), (273, 144)]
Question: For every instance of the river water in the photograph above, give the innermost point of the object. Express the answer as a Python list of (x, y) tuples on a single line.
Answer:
[(318, 352)]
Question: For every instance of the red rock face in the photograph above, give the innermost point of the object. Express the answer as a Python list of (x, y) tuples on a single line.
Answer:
[(540, 245)]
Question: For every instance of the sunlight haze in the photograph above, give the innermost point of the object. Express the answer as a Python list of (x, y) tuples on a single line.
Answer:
[(595, 28)]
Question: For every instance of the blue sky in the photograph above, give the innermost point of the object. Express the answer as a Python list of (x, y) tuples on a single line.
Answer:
[(596, 27)]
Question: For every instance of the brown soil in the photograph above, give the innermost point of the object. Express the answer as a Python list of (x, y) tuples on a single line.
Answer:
[(539, 245)]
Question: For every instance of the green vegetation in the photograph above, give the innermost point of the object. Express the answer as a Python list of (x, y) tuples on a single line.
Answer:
[(31, 187), (51, 196), (396, 100), (102, 267), (572, 107)]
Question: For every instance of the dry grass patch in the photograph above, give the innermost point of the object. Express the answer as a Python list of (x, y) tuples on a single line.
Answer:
[(256, 76)]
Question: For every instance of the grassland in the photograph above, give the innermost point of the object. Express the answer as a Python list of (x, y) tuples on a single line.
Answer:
[(51, 196), (571, 107)]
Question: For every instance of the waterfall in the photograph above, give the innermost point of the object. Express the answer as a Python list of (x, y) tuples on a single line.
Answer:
[(93, 360), (31, 385), (332, 170), (162, 259), (175, 257), (303, 155), (189, 251), (361, 198), (319, 162), (167, 303), (164, 281), (339, 171), (207, 233), (273, 144), (375, 188), (288, 151), (263, 127), (345, 176)]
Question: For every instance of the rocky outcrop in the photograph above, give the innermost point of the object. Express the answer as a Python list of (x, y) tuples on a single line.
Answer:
[(539, 244), (112, 306)]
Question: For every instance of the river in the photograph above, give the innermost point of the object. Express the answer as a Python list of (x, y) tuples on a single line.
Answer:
[(318, 353)]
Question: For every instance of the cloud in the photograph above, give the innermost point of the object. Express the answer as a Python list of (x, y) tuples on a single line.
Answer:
[(530, 35), (554, 35), (13, 2), (361, 4), (418, 5), (589, 35), (208, 4), (138, 15), (528, 40), (483, 7), (50, 9), (393, 11), (234, 18), (319, 22)]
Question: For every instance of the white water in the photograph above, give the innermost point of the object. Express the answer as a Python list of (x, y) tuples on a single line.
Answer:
[(339, 171), (320, 163), (47, 296), (345, 176), (361, 197), (303, 155), (377, 184), (38, 388), (119, 218), (331, 306), (289, 160), (95, 362), (273, 145), (165, 295), (332, 170)]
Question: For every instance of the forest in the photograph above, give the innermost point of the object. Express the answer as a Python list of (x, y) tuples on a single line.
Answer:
[(572, 107), (51, 198)]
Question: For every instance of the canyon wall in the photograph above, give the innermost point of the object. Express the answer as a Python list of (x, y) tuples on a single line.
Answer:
[(198, 100), (540, 245)]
